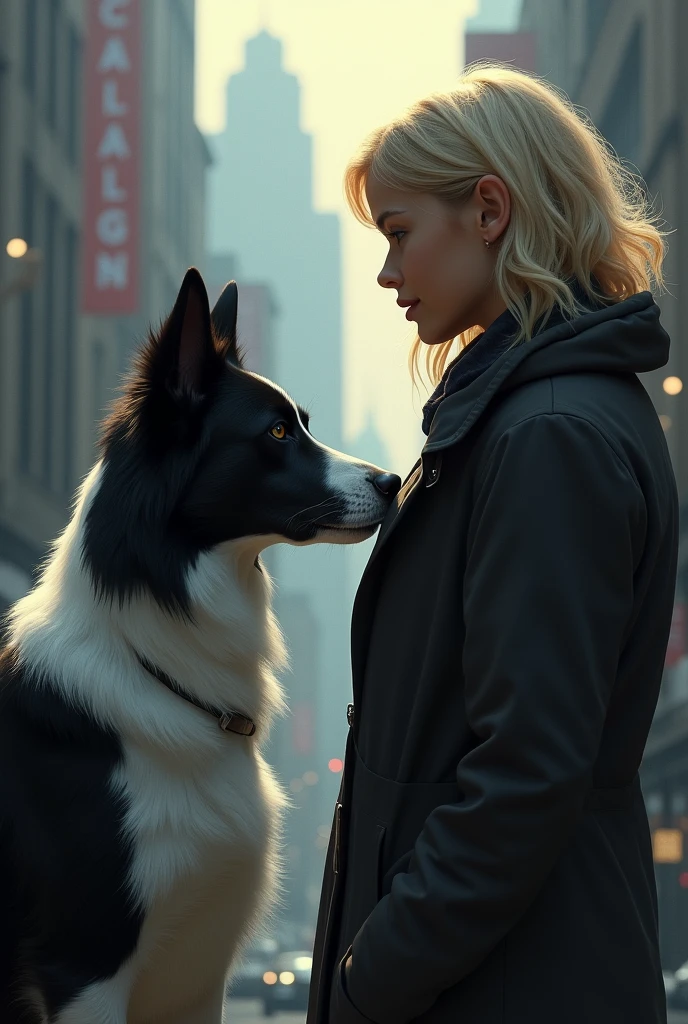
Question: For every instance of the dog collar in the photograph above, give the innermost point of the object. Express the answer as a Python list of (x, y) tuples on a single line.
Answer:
[(229, 721)]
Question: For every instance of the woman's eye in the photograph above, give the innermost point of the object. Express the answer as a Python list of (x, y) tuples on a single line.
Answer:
[(279, 431), (394, 234)]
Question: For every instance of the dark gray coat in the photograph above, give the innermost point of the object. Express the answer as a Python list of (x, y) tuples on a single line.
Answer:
[(491, 860)]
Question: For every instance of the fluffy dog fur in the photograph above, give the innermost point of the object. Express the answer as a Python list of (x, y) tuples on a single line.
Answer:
[(139, 843)]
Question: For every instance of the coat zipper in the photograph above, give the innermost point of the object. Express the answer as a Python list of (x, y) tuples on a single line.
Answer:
[(338, 807), (337, 835)]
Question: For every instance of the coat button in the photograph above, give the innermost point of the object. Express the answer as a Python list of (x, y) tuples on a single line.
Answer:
[(432, 473), (350, 714)]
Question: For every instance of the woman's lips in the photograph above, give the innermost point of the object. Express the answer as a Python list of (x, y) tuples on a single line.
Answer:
[(411, 308)]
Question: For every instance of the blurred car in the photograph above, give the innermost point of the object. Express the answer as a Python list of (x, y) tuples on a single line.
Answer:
[(247, 980), (286, 982)]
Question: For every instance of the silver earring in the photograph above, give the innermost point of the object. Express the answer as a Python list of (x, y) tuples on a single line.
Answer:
[(487, 243)]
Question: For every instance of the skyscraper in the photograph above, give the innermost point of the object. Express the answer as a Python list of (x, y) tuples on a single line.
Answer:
[(260, 207)]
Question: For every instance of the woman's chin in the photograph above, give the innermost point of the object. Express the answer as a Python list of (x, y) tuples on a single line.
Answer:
[(429, 337)]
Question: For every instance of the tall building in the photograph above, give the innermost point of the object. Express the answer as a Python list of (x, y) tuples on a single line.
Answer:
[(102, 170), (368, 446), (623, 62), (495, 16), (40, 137), (260, 207), (492, 35), (256, 315)]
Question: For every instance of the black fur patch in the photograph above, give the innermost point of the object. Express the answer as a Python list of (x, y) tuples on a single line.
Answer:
[(66, 917), (151, 445)]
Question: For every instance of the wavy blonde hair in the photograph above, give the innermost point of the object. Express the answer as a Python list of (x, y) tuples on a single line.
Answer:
[(576, 210)]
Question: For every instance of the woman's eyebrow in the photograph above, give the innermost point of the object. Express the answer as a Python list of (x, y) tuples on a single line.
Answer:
[(383, 217)]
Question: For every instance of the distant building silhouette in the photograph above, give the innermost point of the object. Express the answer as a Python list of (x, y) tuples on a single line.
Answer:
[(260, 207), (492, 35), (256, 317), (369, 446)]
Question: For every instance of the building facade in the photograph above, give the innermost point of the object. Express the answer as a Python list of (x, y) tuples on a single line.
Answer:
[(60, 365), (622, 61)]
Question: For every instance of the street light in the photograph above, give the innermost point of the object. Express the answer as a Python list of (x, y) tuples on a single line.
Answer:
[(16, 248), (30, 261), (673, 385)]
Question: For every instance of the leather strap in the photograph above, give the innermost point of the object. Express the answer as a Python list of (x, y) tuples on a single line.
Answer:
[(229, 721)]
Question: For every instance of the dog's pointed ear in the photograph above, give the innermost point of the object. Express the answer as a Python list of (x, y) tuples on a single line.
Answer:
[(224, 320), (188, 335)]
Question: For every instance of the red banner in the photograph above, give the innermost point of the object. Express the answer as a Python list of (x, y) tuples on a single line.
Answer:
[(112, 156)]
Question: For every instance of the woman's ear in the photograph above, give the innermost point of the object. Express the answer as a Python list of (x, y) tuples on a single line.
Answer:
[(494, 204)]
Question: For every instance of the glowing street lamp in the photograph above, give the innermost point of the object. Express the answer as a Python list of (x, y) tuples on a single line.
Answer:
[(16, 248), (30, 260), (673, 385)]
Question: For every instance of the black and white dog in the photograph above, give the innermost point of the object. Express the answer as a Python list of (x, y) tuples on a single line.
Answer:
[(139, 823)]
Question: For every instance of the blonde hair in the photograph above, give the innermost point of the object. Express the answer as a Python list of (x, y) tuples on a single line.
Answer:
[(576, 210)]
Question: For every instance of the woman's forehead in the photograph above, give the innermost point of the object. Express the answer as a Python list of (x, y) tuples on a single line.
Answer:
[(379, 194), (383, 201)]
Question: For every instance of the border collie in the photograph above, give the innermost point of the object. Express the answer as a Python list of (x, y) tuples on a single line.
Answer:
[(139, 822)]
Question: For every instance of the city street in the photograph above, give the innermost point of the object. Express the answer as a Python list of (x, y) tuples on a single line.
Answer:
[(243, 1011)]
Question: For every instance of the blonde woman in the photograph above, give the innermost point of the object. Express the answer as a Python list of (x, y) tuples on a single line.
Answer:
[(490, 860)]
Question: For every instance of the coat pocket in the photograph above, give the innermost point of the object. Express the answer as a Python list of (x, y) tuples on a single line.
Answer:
[(385, 820)]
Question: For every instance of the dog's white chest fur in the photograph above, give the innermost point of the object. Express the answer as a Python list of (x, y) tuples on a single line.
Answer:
[(204, 859), (202, 809)]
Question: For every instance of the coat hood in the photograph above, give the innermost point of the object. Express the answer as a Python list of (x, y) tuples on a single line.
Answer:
[(623, 338)]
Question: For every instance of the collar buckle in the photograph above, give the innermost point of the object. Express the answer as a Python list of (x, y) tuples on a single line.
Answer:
[(232, 721)]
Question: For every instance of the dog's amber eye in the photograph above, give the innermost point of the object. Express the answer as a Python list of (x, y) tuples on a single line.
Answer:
[(279, 431)]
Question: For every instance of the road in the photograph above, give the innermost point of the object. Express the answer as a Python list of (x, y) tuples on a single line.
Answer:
[(249, 1011)]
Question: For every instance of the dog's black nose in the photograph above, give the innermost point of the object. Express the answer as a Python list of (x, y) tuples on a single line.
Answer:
[(387, 484)]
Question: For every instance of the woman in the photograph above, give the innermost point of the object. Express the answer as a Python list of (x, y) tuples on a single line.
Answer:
[(491, 860)]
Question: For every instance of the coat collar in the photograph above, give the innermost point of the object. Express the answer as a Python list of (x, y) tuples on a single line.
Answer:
[(458, 412)]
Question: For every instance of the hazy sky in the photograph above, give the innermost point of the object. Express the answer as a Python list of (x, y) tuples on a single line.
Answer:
[(360, 63)]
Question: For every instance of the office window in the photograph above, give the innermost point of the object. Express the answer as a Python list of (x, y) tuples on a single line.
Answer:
[(50, 369), (70, 348), (595, 16), (54, 30), (30, 45), (26, 321), (74, 97), (622, 121)]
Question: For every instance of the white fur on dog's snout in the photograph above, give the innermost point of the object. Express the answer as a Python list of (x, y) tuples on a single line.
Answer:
[(353, 482)]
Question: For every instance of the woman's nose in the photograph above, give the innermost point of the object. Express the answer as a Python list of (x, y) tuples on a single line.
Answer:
[(389, 277)]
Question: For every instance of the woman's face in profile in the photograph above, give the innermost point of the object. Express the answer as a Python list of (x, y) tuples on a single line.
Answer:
[(437, 255)]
